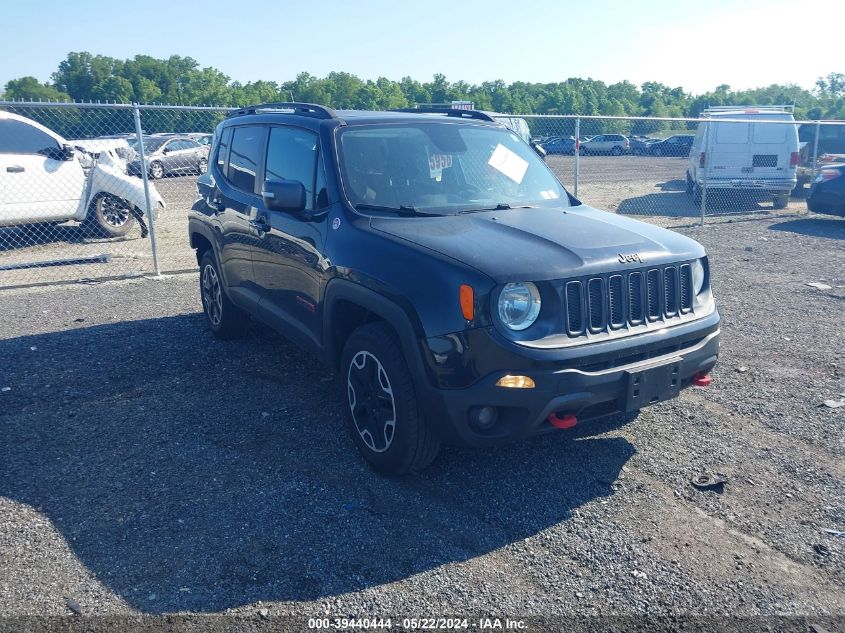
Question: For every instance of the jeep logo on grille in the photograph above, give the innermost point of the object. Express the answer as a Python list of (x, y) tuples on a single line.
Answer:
[(631, 258)]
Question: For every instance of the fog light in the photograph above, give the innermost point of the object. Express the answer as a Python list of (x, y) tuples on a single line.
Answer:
[(515, 382), (483, 417)]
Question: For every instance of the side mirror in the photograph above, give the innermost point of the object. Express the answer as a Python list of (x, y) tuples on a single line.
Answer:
[(539, 149), (284, 195), (67, 152)]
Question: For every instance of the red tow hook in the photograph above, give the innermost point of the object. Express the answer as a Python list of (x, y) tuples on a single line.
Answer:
[(701, 380), (565, 422)]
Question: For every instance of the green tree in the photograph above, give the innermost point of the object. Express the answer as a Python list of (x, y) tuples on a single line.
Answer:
[(29, 88)]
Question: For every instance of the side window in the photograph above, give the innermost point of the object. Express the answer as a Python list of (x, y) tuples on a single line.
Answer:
[(292, 155), (17, 137), (244, 157), (222, 148)]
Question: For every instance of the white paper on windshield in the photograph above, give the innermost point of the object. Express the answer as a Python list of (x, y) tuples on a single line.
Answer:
[(509, 163)]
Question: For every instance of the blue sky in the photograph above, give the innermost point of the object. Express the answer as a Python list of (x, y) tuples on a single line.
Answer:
[(696, 45)]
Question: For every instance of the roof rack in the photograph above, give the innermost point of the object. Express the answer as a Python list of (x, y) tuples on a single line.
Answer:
[(453, 112), (759, 108), (307, 109)]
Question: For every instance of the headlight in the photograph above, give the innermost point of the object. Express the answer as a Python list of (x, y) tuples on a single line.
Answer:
[(519, 305), (697, 276)]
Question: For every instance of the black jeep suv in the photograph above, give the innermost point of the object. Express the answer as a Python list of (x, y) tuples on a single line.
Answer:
[(436, 263)]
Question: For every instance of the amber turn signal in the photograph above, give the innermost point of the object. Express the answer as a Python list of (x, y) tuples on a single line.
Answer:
[(467, 302), (515, 382)]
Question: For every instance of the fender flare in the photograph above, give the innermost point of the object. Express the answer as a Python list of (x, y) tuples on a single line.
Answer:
[(403, 320)]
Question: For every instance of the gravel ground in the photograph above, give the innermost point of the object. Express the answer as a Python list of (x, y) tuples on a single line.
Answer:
[(146, 467)]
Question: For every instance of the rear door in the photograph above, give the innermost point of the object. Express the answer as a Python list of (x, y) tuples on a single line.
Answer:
[(179, 155), (771, 146), (730, 151), (236, 201), (36, 184)]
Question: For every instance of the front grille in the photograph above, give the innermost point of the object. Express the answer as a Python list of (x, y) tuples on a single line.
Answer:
[(600, 303), (764, 160)]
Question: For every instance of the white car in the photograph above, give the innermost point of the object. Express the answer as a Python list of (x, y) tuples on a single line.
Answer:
[(42, 181)]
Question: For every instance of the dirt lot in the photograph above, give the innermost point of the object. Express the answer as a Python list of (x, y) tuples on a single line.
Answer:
[(147, 467), (650, 188)]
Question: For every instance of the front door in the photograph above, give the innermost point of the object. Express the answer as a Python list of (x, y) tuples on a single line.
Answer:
[(289, 263), (36, 184)]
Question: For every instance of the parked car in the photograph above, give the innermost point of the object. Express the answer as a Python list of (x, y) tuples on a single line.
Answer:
[(438, 265), (754, 156), (203, 138), (831, 149), (167, 154), (827, 195), (614, 144), (678, 145), (639, 144), (42, 182), (560, 146)]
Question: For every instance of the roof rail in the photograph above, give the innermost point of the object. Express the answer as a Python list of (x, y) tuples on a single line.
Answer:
[(453, 112), (760, 108), (307, 109)]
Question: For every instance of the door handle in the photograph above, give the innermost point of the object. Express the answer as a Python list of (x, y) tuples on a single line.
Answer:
[(15, 169)]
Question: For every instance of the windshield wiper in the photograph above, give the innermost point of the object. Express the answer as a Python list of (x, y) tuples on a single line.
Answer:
[(502, 206), (403, 210)]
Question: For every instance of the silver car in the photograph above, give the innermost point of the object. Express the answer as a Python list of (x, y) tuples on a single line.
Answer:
[(165, 155), (615, 144)]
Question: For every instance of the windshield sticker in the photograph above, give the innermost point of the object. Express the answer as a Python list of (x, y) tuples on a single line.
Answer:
[(437, 163), (509, 163)]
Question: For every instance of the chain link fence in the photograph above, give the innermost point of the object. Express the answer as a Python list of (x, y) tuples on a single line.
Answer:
[(98, 191), (733, 162), (94, 191)]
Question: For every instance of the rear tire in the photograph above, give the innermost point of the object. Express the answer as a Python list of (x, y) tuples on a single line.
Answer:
[(382, 410), (224, 318), (696, 194), (781, 201)]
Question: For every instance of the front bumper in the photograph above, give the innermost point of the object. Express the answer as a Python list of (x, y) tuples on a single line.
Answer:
[(584, 390)]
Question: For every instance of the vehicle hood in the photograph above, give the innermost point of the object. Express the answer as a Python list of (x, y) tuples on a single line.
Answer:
[(543, 244)]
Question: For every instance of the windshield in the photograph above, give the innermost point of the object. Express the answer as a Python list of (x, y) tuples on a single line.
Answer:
[(150, 145), (443, 167)]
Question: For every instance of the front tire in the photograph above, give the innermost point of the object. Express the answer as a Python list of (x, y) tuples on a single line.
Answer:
[(381, 406), (224, 318), (109, 216)]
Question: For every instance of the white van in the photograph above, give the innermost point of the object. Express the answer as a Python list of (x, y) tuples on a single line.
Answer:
[(756, 158)]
